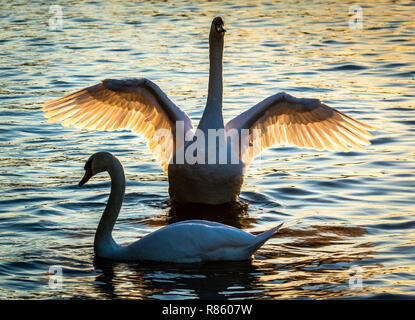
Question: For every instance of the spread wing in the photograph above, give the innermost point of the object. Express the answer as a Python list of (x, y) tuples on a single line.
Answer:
[(135, 104), (308, 123)]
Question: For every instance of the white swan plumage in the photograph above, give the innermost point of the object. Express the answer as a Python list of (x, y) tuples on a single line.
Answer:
[(141, 106), (182, 242)]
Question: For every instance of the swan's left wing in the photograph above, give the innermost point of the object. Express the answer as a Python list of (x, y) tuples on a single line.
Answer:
[(308, 123)]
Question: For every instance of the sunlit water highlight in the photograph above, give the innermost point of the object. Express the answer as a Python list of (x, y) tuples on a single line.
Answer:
[(340, 209)]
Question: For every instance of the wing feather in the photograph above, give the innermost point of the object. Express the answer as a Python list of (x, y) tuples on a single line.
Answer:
[(131, 104), (307, 123)]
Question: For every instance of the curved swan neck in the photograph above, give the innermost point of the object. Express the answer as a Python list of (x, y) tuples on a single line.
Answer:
[(212, 117), (103, 235)]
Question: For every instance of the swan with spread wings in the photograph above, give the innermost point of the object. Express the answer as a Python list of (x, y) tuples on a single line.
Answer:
[(141, 106)]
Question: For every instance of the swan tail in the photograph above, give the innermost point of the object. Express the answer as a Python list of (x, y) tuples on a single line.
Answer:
[(261, 238)]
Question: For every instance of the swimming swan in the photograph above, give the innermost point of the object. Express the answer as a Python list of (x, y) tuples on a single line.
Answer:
[(141, 106), (184, 242)]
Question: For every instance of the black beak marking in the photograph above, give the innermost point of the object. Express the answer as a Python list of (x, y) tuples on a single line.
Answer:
[(88, 174)]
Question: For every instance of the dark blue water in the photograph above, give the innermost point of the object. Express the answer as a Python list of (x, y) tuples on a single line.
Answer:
[(341, 210)]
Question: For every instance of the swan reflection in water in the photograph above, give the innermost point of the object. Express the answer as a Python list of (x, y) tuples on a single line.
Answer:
[(234, 214), (164, 280)]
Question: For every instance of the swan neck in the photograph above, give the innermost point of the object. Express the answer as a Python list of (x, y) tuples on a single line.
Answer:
[(215, 90), (212, 117), (103, 235)]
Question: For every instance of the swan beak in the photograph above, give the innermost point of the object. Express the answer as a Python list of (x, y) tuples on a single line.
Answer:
[(87, 176)]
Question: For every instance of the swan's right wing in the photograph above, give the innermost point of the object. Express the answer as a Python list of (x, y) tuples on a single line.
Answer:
[(135, 104), (307, 123)]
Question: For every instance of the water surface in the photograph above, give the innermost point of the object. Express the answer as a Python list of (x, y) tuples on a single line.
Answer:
[(340, 209)]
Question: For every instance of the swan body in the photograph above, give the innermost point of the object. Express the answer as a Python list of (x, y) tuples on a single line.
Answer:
[(141, 106), (181, 242), (198, 183)]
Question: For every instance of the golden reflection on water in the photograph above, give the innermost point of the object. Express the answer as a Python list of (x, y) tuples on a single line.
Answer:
[(339, 209)]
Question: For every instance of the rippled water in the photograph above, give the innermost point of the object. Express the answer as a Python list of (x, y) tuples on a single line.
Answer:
[(340, 209)]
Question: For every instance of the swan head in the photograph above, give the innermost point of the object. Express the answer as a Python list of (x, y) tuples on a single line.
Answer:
[(218, 27), (98, 162)]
